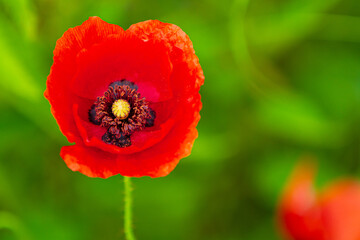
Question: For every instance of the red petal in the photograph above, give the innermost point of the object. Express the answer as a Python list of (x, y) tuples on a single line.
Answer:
[(74, 40), (187, 74), (155, 161), (144, 63), (95, 163)]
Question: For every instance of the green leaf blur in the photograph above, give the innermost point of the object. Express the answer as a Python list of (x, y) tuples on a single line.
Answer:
[(282, 80)]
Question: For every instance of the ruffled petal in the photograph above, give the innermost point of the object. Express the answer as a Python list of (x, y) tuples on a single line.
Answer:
[(146, 64), (187, 73), (156, 161), (74, 40), (96, 163)]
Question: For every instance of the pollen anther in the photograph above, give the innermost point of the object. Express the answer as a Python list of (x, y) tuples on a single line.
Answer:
[(121, 109)]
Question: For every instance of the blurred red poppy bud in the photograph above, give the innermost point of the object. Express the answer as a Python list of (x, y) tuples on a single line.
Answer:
[(332, 214)]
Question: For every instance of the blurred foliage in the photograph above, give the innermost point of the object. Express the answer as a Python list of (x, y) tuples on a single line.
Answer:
[(282, 81)]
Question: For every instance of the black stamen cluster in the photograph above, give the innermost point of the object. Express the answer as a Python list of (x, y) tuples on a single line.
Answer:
[(119, 131)]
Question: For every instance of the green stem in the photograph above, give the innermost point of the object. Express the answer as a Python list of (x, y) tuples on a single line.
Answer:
[(129, 234)]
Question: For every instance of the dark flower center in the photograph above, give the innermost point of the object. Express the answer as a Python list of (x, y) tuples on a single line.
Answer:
[(122, 111)]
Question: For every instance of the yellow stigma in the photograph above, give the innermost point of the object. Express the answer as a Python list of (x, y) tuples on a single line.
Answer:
[(121, 109)]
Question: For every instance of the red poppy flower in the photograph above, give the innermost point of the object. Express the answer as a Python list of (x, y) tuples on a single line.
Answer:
[(334, 214), (129, 100)]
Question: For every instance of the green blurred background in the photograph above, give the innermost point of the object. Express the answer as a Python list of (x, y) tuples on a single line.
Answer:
[(282, 80)]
